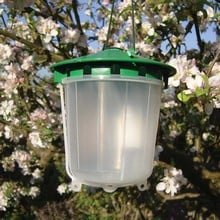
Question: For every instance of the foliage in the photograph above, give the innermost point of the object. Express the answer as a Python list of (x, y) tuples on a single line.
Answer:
[(185, 183)]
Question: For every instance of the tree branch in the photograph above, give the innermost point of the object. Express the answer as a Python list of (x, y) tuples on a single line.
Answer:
[(217, 56), (198, 35), (19, 39), (78, 23), (32, 46), (178, 197)]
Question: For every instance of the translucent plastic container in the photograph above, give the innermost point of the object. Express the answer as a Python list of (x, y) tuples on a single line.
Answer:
[(112, 125)]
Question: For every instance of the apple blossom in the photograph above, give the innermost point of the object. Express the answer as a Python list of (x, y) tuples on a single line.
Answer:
[(106, 2), (62, 188), (102, 33), (8, 195), (158, 150), (214, 81), (148, 28), (6, 53), (7, 109), (71, 35), (22, 158), (36, 140), (124, 4), (37, 173), (38, 114), (171, 182), (34, 191), (145, 49), (8, 132), (168, 185), (8, 164), (193, 83), (210, 12), (27, 63), (3, 200), (18, 4), (185, 67), (88, 12), (48, 28)]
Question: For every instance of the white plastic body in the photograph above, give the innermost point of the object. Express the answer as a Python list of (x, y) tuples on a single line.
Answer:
[(110, 126)]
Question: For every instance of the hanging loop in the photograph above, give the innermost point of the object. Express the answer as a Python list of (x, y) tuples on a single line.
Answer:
[(110, 23), (133, 24), (109, 26)]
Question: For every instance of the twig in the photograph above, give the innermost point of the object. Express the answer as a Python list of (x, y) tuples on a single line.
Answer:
[(4, 22), (19, 39), (178, 197), (217, 56), (198, 35), (32, 46), (78, 23)]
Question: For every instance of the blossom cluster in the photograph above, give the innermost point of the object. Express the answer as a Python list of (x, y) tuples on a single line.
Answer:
[(197, 83), (64, 188), (47, 28), (11, 192), (172, 181)]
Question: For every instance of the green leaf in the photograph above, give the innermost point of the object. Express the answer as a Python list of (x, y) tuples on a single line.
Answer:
[(206, 80), (199, 92), (183, 97)]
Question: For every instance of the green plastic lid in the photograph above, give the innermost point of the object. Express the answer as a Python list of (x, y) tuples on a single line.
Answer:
[(112, 61)]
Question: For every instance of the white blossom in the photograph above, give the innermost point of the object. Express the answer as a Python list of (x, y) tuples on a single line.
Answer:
[(158, 150), (7, 109), (172, 181), (8, 164), (102, 33), (168, 185), (6, 53), (71, 35), (22, 158), (18, 4), (3, 201), (193, 83), (185, 68), (48, 28), (38, 114), (145, 49), (1, 10), (205, 136), (148, 28), (199, 13), (34, 191), (37, 173), (168, 98), (106, 2), (88, 12), (36, 140), (9, 81), (8, 132), (210, 12), (27, 63), (63, 188), (214, 81), (193, 149)]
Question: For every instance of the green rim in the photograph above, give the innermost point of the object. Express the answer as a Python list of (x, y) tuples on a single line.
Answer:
[(112, 61)]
